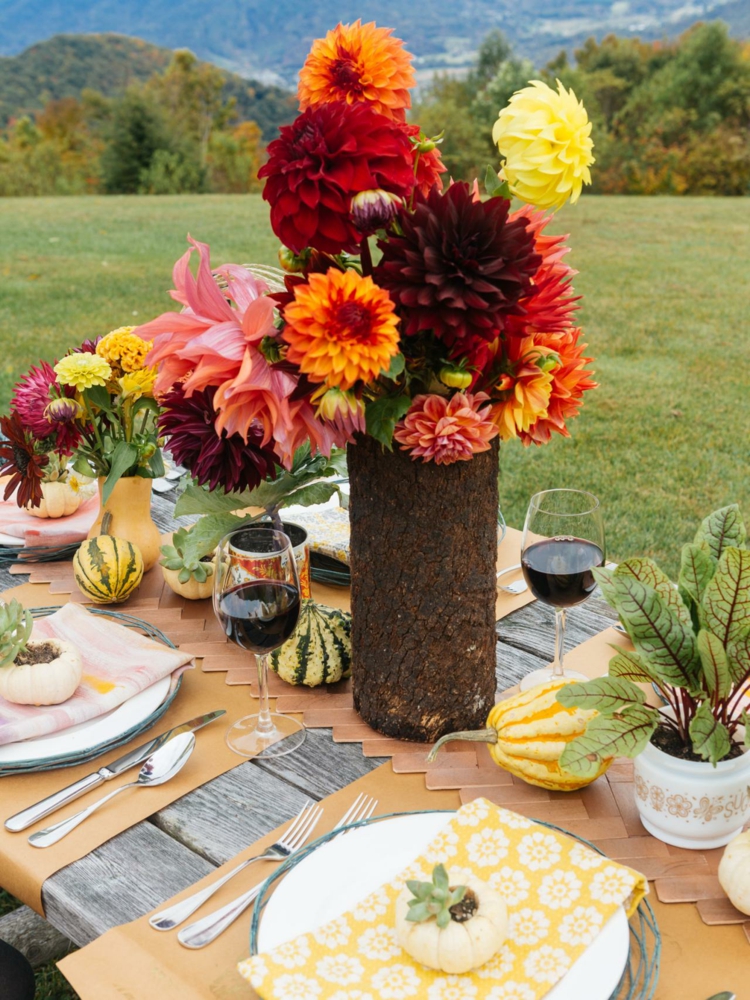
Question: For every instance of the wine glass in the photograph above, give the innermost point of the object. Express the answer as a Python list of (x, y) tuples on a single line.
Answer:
[(563, 542), (257, 602)]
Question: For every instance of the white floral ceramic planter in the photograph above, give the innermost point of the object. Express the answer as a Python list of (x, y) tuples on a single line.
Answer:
[(692, 804)]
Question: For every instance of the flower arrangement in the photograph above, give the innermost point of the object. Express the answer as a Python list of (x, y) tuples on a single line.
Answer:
[(410, 308), (692, 644), (90, 415)]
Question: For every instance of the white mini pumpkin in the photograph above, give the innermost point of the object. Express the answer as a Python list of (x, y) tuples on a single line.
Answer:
[(58, 500), (734, 872), (452, 937), (42, 683)]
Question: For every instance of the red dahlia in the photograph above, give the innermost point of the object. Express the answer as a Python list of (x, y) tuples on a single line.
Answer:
[(429, 165), (216, 460), (458, 267), (325, 157), (19, 460), (31, 397)]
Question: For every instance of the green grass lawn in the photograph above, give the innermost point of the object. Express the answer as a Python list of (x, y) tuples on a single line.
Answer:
[(667, 295)]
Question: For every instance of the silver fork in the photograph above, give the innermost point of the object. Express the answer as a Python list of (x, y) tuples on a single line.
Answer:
[(207, 929), (301, 827), (517, 587)]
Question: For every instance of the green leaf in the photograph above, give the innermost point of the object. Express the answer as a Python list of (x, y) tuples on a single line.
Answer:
[(201, 500), (398, 363), (83, 468), (382, 415), (715, 664), (124, 457), (745, 721), (720, 530), (493, 185), (658, 633), (418, 913), (621, 735), (440, 877), (725, 608), (632, 667), (208, 532), (145, 403), (98, 396), (605, 578), (648, 572), (696, 569), (421, 890), (709, 736), (738, 654), (312, 494), (603, 694)]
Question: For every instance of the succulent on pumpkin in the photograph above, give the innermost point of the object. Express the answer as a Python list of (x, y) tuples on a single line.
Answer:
[(15, 630), (434, 899), (186, 557)]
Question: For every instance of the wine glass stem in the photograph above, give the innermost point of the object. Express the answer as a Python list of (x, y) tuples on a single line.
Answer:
[(558, 668), (265, 722)]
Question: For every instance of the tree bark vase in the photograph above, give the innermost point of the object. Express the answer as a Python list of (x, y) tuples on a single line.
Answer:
[(423, 562)]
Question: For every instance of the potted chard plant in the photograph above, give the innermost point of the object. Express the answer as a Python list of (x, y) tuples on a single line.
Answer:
[(692, 648)]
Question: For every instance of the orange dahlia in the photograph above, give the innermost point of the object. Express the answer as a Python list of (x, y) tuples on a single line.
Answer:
[(444, 431), (525, 388), (570, 379), (358, 62), (341, 328)]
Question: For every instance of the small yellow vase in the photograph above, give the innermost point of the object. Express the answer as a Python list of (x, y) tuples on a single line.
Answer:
[(130, 507)]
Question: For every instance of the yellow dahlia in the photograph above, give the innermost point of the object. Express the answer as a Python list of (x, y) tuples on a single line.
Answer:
[(82, 371), (124, 350), (341, 328), (358, 62), (526, 388), (545, 138), (137, 384)]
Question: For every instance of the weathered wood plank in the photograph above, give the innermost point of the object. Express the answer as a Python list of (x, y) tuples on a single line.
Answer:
[(33, 936), (530, 629), (119, 881)]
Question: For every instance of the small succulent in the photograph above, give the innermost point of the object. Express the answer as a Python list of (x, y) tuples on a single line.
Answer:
[(15, 631), (186, 557), (434, 899)]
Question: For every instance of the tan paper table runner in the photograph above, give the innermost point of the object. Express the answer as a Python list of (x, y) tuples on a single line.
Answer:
[(25, 868), (138, 963)]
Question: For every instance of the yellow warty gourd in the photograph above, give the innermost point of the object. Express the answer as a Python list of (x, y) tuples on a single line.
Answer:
[(527, 735)]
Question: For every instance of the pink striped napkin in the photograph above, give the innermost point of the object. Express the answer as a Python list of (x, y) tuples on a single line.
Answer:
[(32, 530), (118, 662)]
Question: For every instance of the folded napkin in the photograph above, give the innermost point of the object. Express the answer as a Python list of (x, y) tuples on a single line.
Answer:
[(118, 662), (559, 894), (30, 530), (327, 529)]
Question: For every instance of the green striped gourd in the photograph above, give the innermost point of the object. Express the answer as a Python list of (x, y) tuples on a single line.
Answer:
[(107, 569), (320, 651)]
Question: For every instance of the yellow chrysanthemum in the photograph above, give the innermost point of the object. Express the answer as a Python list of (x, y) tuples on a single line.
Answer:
[(82, 371), (358, 62), (545, 137), (124, 350), (137, 384), (341, 328)]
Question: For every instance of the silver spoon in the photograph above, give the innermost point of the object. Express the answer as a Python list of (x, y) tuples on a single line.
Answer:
[(728, 995), (159, 768), (517, 587)]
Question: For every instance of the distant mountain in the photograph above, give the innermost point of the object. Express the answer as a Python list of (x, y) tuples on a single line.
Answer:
[(268, 40), (66, 64)]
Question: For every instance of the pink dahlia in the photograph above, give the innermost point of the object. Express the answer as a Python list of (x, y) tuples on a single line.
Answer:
[(31, 397), (447, 430)]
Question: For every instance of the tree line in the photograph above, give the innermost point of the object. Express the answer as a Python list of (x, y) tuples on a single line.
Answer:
[(668, 117), (176, 133)]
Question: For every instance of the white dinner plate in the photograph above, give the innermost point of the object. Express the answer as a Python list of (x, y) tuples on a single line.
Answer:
[(13, 540), (341, 872), (89, 735)]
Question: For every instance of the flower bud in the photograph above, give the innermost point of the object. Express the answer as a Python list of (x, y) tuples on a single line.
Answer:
[(546, 362), (373, 210), (456, 378), (504, 383), (63, 410), (272, 349), (293, 263)]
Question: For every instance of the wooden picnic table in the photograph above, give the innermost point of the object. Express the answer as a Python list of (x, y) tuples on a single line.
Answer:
[(152, 861)]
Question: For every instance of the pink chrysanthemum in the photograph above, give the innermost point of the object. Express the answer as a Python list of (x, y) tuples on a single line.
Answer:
[(31, 397), (444, 431)]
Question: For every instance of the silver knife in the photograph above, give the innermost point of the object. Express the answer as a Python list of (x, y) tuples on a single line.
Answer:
[(27, 817)]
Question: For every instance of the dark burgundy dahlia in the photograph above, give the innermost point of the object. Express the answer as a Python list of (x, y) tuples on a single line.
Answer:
[(214, 460), (327, 155), (19, 460), (458, 267)]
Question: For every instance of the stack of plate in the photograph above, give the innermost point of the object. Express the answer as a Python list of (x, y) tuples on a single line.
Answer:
[(88, 740)]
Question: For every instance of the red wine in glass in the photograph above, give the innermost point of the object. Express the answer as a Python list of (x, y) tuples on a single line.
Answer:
[(259, 616), (559, 570)]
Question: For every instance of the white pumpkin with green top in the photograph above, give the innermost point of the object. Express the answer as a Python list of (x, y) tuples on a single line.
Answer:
[(320, 651)]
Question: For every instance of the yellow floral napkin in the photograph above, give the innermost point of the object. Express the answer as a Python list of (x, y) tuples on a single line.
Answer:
[(327, 529), (560, 894)]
